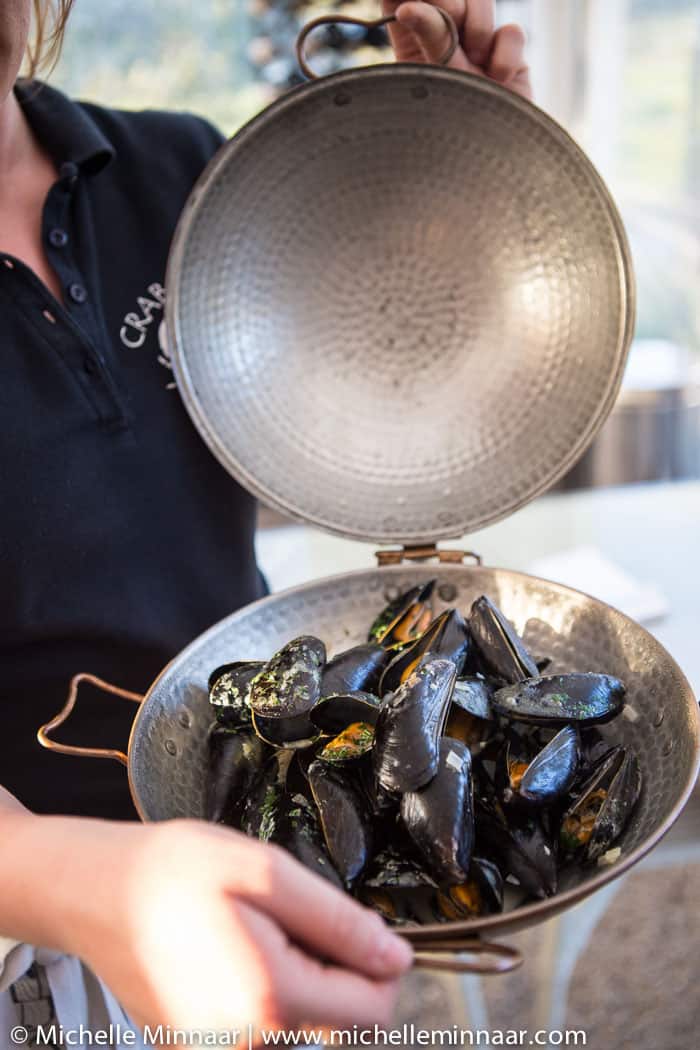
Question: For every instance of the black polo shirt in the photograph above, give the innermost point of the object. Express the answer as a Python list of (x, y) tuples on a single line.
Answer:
[(121, 537)]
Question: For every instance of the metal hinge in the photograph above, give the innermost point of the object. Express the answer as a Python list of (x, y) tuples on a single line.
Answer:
[(424, 552)]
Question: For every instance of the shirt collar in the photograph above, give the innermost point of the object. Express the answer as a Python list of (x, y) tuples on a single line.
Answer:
[(64, 128)]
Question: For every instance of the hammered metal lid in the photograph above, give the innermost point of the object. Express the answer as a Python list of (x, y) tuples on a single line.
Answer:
[(399, 303)]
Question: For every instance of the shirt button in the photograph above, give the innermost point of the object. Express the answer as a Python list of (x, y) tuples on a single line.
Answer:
[(58, 237), (77, 293), (90, 366), (68, 170)]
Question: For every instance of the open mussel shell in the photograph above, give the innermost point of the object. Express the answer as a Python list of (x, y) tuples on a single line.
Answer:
[(404, 618), (396, 884), (229, 691), (481, 894), (521, 845), (472, 731), (584, 698), (332, 714), (447, 637), (439, 817), (344, 820), (355, 741), (546, 777), (408, 729), (602, 807), (500, 649), (355, 670), (296, 731), (473, 695), (235, 759), (283, 693)]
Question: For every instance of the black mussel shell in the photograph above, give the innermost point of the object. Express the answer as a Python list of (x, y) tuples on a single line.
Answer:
[(482, 894), (298, 831), (501, 651), (396, 885), (262, 806), (284, 691), (408, 729), (297, 731), (355, 670), (229, 691), (344, 820), (355, 741), (334, 713), (521, 846), (447, 637), (439, 817), (548, 775), (405, 618), (393, 868), (382, 804), (602, 807), (473, 695), (235, 759), (557, 699)]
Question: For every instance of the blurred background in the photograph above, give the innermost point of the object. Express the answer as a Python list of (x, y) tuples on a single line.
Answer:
[(622, 75)]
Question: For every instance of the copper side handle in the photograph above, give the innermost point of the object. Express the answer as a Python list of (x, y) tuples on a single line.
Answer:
[(491, 958), (326, 20), (43, 733)]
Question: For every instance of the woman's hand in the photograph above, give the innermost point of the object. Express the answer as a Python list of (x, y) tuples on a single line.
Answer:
[(198, 927), (420, 35)]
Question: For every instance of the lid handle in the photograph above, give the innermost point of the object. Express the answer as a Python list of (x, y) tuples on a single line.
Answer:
[(325, 20)]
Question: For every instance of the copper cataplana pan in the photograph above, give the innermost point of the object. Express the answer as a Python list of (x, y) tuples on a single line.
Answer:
[(399, 306)]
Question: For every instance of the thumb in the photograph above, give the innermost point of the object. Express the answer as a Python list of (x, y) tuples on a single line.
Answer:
[(429, 27)]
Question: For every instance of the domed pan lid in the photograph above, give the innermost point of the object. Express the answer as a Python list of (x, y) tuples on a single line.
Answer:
[(399, 303)]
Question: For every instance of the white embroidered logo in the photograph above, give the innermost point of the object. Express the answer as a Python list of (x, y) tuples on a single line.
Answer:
[(135, 328)]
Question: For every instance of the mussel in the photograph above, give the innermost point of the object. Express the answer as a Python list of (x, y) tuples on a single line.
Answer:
[(544, 778), (481, 894), (344, 821), (409, 726), (355, 670), (439, 817), (283, 693), (521, 845), (351, 744), (262, 805), (557, 699), (447, 637), (235, 759), (298, 830), (398, 886), (229, 691), (501, 651), (602, 807), (404, 618), (332, 714), (473, 694)]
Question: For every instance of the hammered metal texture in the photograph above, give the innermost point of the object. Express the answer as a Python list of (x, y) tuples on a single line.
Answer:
[(399, 303), (168, 759)]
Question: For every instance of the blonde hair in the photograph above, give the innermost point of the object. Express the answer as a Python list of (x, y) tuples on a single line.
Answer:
[(49, 24)]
